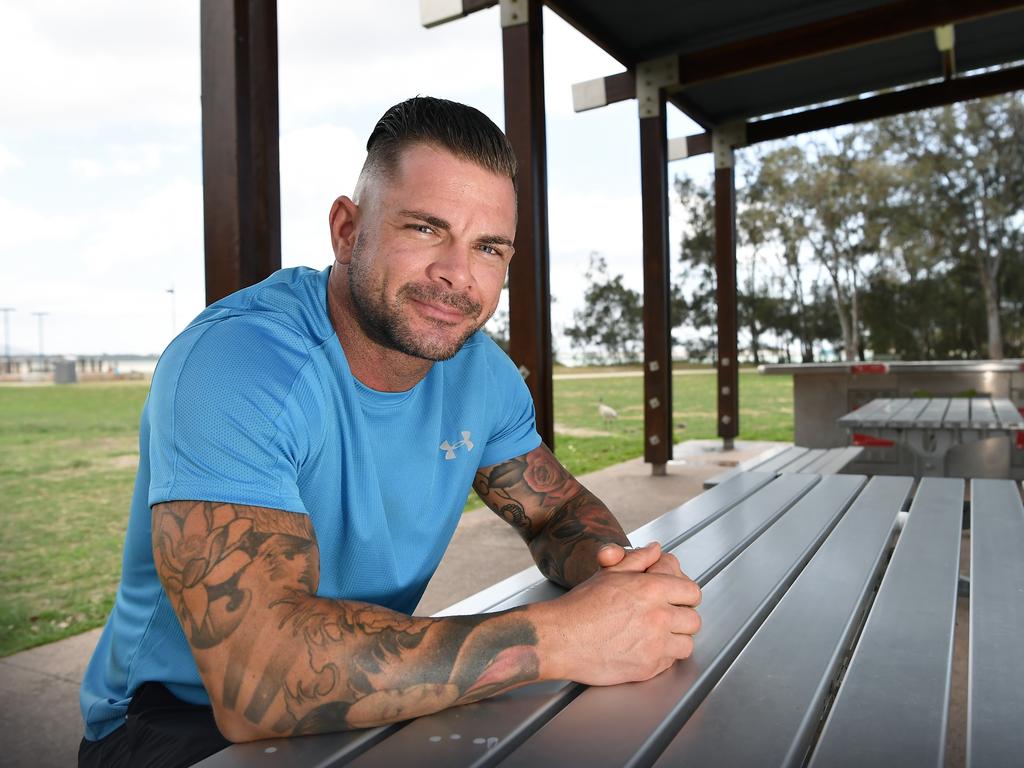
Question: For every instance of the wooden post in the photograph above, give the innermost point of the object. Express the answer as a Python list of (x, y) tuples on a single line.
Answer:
[(657, 325), (241, 176), (529, 282), (725, 269)]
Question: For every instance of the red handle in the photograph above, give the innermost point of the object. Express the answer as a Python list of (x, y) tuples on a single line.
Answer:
[(870, 441)]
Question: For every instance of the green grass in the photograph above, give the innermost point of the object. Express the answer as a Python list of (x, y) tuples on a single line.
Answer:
[(67, 457), (67, 466)]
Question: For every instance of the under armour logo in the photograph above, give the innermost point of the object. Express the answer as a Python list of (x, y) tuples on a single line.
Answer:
[(449, 448)]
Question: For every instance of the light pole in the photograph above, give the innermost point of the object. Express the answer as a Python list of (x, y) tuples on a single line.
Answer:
[(7, 338), (42, 360), (174, 323)]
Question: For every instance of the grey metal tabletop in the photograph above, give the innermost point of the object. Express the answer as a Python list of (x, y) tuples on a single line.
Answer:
[(828, 629)]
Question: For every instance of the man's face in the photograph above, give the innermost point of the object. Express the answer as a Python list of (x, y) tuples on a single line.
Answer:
[(431, 252)]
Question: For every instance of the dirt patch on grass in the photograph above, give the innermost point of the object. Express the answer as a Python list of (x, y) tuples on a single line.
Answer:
[(128, 461), (561, 429)]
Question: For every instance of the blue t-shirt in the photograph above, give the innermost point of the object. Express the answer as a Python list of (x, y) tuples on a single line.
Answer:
[(254, 403)]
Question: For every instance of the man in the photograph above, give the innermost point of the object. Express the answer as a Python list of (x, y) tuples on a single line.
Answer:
[(306, 449)]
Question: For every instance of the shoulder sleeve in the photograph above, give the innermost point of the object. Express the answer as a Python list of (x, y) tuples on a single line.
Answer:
[(515, 421), (224, 425)]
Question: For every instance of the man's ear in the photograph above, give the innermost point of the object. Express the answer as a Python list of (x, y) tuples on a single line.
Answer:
[(343, 219)]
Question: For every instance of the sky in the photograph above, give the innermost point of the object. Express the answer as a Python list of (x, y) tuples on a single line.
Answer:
[(101, 168)]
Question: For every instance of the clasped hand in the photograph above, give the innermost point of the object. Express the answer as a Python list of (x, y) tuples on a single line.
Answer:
[(632, 619)]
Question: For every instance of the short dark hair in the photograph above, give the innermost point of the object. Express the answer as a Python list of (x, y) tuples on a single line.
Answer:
[(460, 129)]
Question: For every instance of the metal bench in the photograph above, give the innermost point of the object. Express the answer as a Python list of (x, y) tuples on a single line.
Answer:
[(789, 459), (790, 566)]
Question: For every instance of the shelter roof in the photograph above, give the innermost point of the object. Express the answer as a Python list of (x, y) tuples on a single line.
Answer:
[(746, 59)]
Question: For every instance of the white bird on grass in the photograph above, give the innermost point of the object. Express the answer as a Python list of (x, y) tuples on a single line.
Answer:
[(607, 412)]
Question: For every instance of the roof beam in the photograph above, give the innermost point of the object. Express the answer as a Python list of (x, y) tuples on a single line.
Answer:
[(868, 26), (859, 110), (872, 25), (433, 13)]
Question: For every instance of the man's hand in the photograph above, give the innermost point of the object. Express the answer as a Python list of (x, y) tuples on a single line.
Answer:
[(630, 621), (647, 559)]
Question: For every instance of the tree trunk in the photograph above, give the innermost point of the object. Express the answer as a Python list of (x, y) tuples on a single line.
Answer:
[(849, 341), (991, 292)]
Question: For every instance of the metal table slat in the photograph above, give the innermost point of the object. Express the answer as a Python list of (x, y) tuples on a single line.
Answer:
[(858, 415), (881, 416), (713, 547), (907, 417), (958, 414), (501, 724), (783, 459), (905, 652), (753, 464), (827, 455), (670, 529), (934, 413), (318, 751), (982, 414), (801, 464), (628, 724), (1009, 417), (766, 707), (836, 459), (995, 709)]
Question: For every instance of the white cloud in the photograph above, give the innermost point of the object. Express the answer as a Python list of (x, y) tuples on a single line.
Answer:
[(8, 159), (71, 67), (363, 57), (103, 277), (318, 163), (125, 160)]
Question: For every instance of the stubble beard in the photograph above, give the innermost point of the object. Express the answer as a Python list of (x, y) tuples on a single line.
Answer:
[(388, 325)]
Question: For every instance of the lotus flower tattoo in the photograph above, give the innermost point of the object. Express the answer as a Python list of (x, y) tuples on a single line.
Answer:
[(203, 556)]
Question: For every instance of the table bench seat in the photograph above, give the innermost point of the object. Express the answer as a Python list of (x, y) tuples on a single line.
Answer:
[(789, 459)]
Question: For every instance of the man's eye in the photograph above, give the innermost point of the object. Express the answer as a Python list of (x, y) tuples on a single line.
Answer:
[(490, 250), (425, 229)]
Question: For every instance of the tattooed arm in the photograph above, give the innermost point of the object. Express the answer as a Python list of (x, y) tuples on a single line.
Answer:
[(277, 660), (563, 523)]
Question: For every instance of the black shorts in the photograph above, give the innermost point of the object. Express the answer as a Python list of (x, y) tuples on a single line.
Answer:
[(160, 730)]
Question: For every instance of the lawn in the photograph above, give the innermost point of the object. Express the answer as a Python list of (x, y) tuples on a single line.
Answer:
[(67, 465)]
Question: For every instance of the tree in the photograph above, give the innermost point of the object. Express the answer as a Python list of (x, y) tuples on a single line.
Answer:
[(770, 204), (970, 174), (609, 328), (693, 293)]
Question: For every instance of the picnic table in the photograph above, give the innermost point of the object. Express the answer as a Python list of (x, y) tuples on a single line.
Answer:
[(828, 629), (930, 427)]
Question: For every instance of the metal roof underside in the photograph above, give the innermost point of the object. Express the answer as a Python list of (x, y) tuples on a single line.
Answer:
[(642, 30)]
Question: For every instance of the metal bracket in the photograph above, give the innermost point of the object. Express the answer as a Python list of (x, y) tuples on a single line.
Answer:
[(514, 13), (589, 94), (651, 77), (944, 38), (677, 149), (725, 138), (436, 12)]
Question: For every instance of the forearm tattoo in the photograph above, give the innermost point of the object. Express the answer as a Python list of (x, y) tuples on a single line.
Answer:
[(563, 523), (242, 581)]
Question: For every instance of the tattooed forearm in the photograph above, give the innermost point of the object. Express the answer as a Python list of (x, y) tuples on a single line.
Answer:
[(563, 522), (566, 549), (276, 659)]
